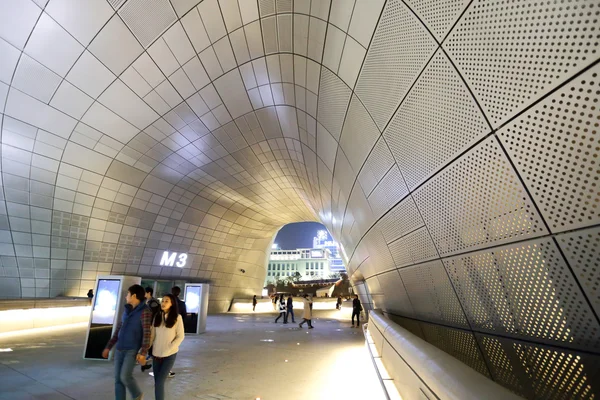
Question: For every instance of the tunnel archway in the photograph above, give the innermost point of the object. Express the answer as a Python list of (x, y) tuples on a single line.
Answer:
[(451, 151)]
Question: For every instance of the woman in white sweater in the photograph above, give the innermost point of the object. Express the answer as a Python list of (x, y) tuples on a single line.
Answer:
[(168, 335)]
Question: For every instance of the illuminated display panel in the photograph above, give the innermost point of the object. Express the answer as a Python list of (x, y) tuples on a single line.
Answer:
[(192, 299), (105, 301)]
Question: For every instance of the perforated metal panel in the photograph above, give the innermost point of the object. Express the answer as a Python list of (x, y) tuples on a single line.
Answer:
[(482, 200), (555, 147), (501, 291), (438, 16), (499, 49), (396, 299), (582, 251), (431, 294), (377, 165), (541, 372), (388, 192), (437, 121), (334, 96), (459, 343), (413, 248), (400, 48), (400, 220), (359, 134), (147, 19)]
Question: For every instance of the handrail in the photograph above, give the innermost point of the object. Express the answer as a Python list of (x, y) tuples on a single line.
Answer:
[(444, 375)]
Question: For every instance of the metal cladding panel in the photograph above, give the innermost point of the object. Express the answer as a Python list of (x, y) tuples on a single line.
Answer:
[(432, 295), (502, 291), (435, 139), (582, 252), (537, 371), (477, 202), (555, 146), (459, 343)]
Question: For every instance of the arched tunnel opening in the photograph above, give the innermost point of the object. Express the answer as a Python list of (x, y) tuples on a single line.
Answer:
[(449, 147)]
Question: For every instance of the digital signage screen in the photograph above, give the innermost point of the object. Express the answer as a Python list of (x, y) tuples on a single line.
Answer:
[(103, 317), (192, 299), (105, 301)]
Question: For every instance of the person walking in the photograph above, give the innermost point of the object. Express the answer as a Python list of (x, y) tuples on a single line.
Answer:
[(307, 312), (274, 302), (281, 303), (254, 301), (168, 335), (132, 339), (356, 309), (338, 305), (154, 306), (90, 295), (290, 309), (182, 309)]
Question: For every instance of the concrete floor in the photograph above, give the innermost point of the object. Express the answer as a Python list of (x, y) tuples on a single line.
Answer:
[(241, 356)]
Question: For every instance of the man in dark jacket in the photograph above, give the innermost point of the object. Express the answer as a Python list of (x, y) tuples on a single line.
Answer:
[(154, 306), (176, 291), (356, 309), (132, 338), (290, 309)]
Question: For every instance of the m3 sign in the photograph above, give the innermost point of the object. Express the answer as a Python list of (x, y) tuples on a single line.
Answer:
[(168, 259)]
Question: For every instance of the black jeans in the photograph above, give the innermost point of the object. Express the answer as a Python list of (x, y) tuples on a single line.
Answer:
[(287, 315), (357, 313), (306, 320), (281, 314)]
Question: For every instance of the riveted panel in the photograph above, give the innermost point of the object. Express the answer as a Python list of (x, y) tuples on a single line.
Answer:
[(501, 291), (497, 49), (482, 200), (399, 50), (459, 343), (582, 251), (555, 147), (431, 294), (437, 121)]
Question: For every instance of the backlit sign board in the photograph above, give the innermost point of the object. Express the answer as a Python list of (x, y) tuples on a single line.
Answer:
[(170, 259)]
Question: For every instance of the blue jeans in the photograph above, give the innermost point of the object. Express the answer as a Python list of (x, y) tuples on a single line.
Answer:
[(124, 365), (161, 367), (287, 316)]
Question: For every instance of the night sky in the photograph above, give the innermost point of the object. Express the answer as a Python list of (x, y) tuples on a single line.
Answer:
[(298, 236)]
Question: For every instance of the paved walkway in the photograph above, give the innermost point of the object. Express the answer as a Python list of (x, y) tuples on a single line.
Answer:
[(241, 356)]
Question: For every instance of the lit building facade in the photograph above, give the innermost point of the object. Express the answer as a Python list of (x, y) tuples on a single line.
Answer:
[(322, 241), (310, 263)]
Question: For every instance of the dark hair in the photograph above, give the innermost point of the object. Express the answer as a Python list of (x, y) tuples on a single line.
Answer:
[(176, 291), (137, 291), (171, 316), (149, 290)]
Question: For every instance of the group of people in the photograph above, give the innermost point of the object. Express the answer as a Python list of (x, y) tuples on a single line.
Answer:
[(286, 308), (148, 328)]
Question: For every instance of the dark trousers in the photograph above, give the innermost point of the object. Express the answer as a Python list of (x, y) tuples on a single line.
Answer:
[(282, 314), (357, 313), (306, 320), (161, 367), (287, 315)]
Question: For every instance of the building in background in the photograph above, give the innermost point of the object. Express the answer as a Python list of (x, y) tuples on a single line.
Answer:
[(322, 241), (319, 262), (308, 263)]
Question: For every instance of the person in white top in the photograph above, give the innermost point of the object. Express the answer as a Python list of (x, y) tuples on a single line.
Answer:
[(168, 335)]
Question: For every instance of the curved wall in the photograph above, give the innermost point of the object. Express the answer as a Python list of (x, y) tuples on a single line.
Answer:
[(451, 147)]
